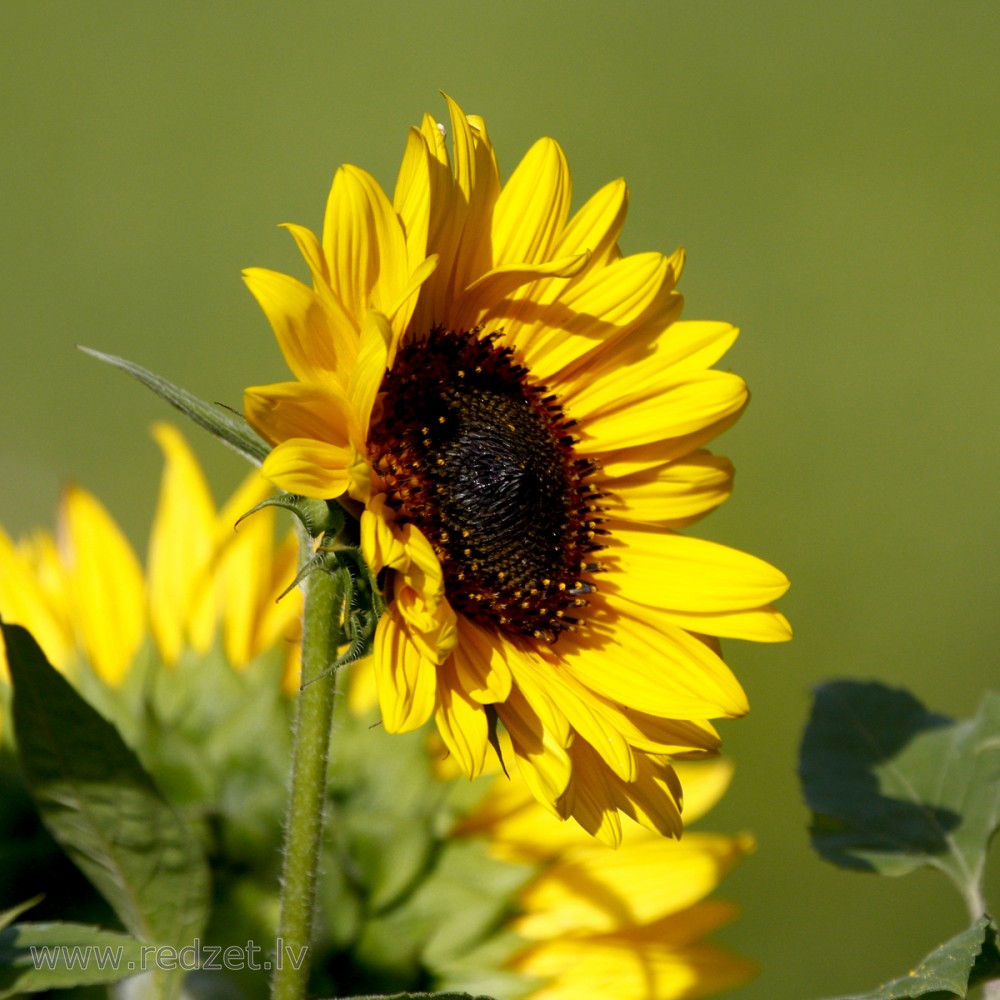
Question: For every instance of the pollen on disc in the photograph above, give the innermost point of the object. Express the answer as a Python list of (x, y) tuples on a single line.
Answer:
[(482, 460)]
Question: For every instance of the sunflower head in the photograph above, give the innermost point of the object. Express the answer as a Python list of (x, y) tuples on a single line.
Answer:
[(520, 416)]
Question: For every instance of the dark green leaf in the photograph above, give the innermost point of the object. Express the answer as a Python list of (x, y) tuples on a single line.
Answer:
[(949, 970), (893, 786), (36, 957), (101, 806), (227, 426)]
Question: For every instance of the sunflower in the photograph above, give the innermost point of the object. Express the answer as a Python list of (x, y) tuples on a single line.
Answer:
[(518, 415), (87, 599), (624, 925)]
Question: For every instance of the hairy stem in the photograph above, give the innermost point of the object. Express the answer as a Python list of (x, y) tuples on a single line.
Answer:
[(304, 824)]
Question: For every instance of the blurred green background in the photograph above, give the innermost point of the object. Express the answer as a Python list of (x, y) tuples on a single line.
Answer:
[(831, 169)]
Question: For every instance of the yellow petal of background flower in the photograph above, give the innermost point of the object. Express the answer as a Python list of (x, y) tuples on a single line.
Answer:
[(705, 782), (107, 587), (252, 572), (596, 892), (182, 605), (33, 593)]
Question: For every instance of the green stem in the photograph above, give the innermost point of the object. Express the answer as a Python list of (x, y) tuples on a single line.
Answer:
[(304, 825)]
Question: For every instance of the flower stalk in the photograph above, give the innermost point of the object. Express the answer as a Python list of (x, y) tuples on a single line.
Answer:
[(325, 593)]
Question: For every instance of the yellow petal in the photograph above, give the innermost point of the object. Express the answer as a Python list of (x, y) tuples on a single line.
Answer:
[(252, 573), (299, 409), (312, 250), (314, 345), (431, 624), (662, 569), (368, 371), (182, 603), (477, 185), (597, 224), (406, 680), (107, 587), (412, 198), (653, 799), (598, 892), (533, 206), (673, 494), (662, 671), (542, 760), (364, 244), (479, 301), (308, 467), (592, 312), (479, 664), (620, 413), (581, 711), (381, 545), (461, 723)]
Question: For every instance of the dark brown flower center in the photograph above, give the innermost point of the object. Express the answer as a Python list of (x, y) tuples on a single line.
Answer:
[(481, 459)]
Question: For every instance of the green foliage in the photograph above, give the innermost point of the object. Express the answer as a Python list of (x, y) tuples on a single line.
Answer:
[(950, 970), (229, 427), (35, 957), (421, 996), (402, 904), (101, 805), (894, 787)]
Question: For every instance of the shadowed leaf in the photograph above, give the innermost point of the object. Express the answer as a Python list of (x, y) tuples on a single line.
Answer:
[(893, 786), (101, 806)]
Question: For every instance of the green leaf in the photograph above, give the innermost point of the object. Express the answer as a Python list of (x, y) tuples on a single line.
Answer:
[(229, 427), (101, 806), (419, 996), (950, 970), (35, 957), (893, 786), (7, 917)]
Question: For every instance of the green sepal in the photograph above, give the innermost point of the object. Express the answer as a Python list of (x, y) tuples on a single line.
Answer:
[(893, 786), (316, 516), (229, 427), (101, 806), (950, 970), (81, 955)]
